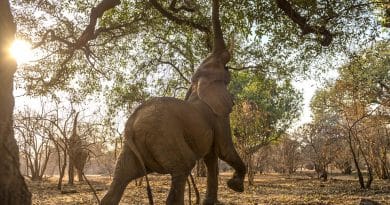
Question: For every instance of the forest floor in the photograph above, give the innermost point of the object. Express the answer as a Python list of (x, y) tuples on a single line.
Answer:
[(268, 189)]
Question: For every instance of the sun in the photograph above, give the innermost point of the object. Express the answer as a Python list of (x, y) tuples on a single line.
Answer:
[(21, 51)]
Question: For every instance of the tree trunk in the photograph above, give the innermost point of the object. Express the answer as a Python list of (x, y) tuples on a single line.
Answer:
[(356, 162), (13, 189), (250, 166), (61, 169)]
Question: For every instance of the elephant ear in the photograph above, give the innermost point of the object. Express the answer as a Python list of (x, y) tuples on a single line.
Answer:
[(215, 95)]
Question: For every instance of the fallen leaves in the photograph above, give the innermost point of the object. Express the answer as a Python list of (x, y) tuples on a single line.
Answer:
[(268, 189)]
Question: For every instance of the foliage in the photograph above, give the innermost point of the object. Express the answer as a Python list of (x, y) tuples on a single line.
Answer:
[(357, 104), (136, 47), (264, 110)]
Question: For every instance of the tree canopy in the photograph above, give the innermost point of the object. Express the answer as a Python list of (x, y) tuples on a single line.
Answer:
[(152, 47)]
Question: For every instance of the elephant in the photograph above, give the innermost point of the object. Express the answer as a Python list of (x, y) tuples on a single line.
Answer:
[(171, 134), (167, 135)]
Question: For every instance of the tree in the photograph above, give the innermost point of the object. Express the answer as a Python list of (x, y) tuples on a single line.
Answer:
[(264, 110), (13, 189), (287, 155), (35, 145), (129, 43), (358, 100), (321, 146)]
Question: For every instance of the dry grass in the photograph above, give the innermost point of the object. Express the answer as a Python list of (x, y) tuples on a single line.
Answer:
[(268, 189)]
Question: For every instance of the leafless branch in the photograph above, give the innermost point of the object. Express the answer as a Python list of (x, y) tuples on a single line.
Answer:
[(176, 69)]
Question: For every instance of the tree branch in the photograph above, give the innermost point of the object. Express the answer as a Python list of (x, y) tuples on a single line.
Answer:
[(186, 7), (176, 68), (96, 12), (306, 28), (176, 19)]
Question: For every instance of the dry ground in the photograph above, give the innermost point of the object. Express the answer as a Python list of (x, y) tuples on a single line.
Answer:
[(268, 189)]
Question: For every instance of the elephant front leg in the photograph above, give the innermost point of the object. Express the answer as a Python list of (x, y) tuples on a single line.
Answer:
[(236, 183), (176, 194), (127, 168), (211, 162), (228, 153)]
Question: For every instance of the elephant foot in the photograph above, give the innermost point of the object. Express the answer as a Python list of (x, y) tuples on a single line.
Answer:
[(236, 184)]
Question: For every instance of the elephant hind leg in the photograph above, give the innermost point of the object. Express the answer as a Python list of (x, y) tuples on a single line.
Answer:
[(127, 168), (211, 162), (80, 175), (176, 194)]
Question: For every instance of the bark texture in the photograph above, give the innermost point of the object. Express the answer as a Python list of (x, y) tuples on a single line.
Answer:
[(13, 189)]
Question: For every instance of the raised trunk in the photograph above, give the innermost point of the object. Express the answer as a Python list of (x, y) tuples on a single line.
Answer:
[(13, 189), (219, 47)]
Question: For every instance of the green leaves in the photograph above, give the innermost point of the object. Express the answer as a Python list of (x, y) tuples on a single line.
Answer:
[(134, 39), (264, 108)]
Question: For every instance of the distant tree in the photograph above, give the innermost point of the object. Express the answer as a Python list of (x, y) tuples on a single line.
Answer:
[(287, 155), (321, 146), (358, 100), (36, 147)]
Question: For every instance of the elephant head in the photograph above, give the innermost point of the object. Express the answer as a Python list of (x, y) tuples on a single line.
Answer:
[(211, 78)]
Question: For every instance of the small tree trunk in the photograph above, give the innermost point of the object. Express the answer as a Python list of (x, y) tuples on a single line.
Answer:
[(201, 170), (61, 170), (251, 172), (355, 160)]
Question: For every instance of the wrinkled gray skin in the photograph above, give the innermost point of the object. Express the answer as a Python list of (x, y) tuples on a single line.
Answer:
[(171, 134)]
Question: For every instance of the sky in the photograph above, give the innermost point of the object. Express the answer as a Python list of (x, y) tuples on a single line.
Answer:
[(308, 88)]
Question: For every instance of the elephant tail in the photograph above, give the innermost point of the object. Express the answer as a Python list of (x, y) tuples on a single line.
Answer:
[(134, 149)]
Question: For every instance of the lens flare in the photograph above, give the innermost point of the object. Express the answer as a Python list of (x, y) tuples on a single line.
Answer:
[(21, 51)]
